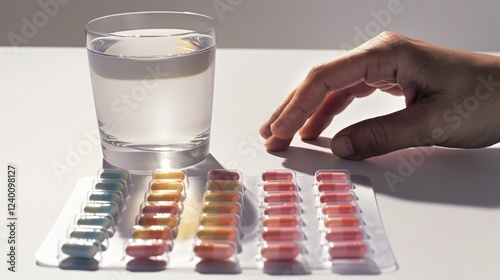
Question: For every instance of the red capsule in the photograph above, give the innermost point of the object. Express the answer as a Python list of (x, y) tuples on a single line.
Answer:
[(336, 197), (277, 175), (331, 175), (281, 197), (274, 186), (347, 250), (280, 221), (334, 209), (333, 186), (343, 234), (213, 251), (342, 221), (280, 251), (161, 208), (281, 234), (281, 209), (146, 249)]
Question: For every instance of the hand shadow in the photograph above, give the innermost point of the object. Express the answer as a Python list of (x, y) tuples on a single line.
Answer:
[(429, 174)]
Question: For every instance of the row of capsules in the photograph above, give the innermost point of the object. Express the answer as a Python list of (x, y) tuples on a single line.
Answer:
[(219, 232), (341, 224), (96, 223), (281, 237), (151, 238)]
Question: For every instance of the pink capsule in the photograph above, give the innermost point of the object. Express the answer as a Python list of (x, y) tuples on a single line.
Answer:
[(274, 186), (333, 186), (336, 197), (281, 234), (347, 250), (331, 175), (281, 197), (223, 175), (344, 234), (145, 248), (281, 209)]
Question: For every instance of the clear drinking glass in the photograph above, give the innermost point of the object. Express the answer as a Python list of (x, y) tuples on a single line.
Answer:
[(152, 78)]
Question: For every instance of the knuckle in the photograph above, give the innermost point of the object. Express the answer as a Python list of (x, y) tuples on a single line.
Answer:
[(378, 134)]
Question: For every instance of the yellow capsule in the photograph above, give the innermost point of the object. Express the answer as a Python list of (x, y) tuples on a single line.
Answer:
[(224, 186), (220, 220), (158, 220), (220, 208), (162, 174), (166, 185), (222, 196), (217, 233), (164, 196)]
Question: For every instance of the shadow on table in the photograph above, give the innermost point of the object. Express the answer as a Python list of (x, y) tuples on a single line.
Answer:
[(430, 174)]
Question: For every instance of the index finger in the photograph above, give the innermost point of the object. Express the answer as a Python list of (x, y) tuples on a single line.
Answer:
[(357, 66)]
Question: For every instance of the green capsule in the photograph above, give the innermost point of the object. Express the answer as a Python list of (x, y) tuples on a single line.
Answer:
[(79, 249), (107, 196), (83, 233), (103, 208), (111, 186), (114, 174)]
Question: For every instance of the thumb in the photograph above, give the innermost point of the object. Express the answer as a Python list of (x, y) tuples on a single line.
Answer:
[(383, 134)]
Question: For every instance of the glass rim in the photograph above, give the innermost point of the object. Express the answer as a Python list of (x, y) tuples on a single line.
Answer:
[(89, 30)]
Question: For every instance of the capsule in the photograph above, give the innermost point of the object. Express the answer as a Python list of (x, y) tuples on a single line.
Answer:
[(111, 185), (152, 232), (281, 197), (164, 196), (281, 221), (146, 264), (163, 174), (88, 233), (334, 186), (114, 174), (331, 175), (280, 251), (343, 234), (342, 221), (347, 250), (222, 196), (281, 234), (166, 185), (334, 209), (222, 174), (147, 220), (274, 186), (103, 221), (281, 209), (224, 186), (80, 248), (344, 197), (213, 251), (218, 233), (220, 220), (107, 196), (167, 207), (102, 208), (277, 175), (139, 248), (222, 208)]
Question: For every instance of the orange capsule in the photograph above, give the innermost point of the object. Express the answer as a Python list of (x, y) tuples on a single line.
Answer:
[(331, 175), (145, 248), (273, 186), (164, 196), (166, 185), (222, 196), (282, 209), (213, 251), (334, 209), (217, 233), (224, 186), (163, 174), (280, 221), (343, 234), (224, 175), (342, 221), (333, 186), (147, 220), (336, 197), (167, 207), (281, 234), (220, 220), (152, 232), (280, 251), (277, 175), (221, 208), (347, 250), (281, 197)]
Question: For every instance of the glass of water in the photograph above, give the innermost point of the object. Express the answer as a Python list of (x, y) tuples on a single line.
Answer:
[(152, 78)]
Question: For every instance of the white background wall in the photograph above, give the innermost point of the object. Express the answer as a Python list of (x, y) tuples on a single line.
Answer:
[(318, 24)]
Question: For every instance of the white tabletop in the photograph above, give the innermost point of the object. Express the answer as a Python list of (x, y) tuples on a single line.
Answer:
[(442, 220)]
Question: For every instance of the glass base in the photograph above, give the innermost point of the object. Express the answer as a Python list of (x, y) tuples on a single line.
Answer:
[(142, 161)]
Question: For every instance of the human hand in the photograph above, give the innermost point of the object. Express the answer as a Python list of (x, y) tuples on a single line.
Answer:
[(452, 99)]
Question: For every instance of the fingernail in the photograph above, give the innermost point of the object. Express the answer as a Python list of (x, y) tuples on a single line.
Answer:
[(342, 147)]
